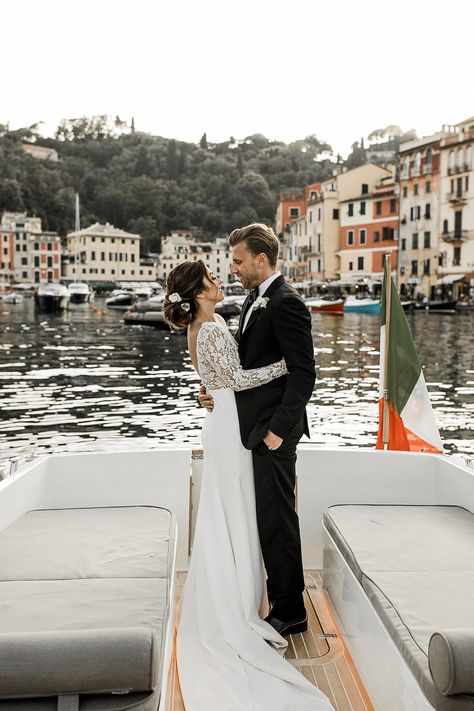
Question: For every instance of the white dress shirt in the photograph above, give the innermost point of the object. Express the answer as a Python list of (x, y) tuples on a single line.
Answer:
[(261, 291)]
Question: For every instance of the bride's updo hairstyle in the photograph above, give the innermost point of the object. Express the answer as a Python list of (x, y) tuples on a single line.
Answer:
[(184, 283)]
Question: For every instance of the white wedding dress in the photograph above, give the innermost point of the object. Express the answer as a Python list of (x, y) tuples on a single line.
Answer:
[(229, 659)]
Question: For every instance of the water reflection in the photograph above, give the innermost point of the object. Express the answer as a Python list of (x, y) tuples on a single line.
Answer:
[(83, 380)]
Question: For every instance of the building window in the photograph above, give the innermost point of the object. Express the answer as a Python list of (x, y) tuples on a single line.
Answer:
[(132, 257), (92, 239), (24, 275), (310, 215), (335, 214), (37, 261), (93, 255), (362, 207), (319, 214), (17, 248), (360, 263), (350, 209), (50, 247), (427, 240), (404, 244), (393, 205), (24, 261), (362, 236), (351, 266), (414, 268), (388, 234), (405, 191), (376, 236), (415, 189), (457, 257), (102, 271), (415, 213), (415, 240), (350, 238), (428, 211), (294, 211), (123, 242), (365, 188), (378, 208), (428, 187), (426, 267), (102, 256)]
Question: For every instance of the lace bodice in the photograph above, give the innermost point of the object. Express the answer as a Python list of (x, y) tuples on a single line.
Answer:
[(219, 362)]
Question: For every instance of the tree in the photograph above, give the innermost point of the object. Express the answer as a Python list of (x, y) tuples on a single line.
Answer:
[(10, 196), (171, 161), (203, 142)]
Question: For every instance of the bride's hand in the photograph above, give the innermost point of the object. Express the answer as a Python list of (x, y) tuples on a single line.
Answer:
[(205, 400)]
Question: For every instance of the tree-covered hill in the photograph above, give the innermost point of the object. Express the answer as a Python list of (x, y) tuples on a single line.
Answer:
[(150, 184)]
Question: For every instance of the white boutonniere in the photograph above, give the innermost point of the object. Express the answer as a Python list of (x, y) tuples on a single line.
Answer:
[(261, 302)]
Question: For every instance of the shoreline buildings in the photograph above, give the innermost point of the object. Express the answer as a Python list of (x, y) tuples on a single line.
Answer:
[(420, 209)]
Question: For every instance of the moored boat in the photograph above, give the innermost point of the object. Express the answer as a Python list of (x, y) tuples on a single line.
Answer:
[(79, 292), (12, 298), (365, 305), (52, 297), (147, 312), (325, 305), (120, 300)]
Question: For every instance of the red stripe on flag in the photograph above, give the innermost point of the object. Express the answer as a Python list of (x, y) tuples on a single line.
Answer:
[(399, 437)]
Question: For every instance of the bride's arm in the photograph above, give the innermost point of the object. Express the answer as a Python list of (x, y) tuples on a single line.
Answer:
[(218, 356)]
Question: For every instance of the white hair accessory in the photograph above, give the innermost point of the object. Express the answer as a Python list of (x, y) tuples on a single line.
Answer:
[(185, 305), (175, 297)]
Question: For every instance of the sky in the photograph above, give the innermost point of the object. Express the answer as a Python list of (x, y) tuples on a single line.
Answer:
[(338, 69)]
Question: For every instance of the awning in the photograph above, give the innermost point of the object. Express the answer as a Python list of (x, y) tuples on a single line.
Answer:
[(450, 278), (413, 280)]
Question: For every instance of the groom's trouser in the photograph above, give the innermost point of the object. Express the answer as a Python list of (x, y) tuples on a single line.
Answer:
[(278, 525)]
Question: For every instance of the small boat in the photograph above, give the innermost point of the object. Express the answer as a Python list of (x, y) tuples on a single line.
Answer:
[(325, 305), (52, 297), (79, 293), (13, 298), (120, 300), (408, 305), (365, 305), (147, 312), (446, 307)]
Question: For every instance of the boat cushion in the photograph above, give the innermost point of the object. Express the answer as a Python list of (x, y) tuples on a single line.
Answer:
[(451, 661), (107, 660), (416, 564), (84, 605)]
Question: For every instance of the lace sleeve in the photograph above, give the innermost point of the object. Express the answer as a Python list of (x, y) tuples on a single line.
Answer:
[(219, 364)]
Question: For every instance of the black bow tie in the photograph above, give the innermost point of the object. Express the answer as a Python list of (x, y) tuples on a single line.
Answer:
[(253, 295)]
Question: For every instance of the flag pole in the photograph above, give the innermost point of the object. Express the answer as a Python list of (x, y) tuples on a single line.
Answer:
[(388, 297)]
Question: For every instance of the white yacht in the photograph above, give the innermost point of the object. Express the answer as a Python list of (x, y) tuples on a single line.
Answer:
[(80, 293), (52, 297), (94, 549)]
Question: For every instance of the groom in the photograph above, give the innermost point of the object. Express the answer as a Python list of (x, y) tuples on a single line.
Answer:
[(274, 324)]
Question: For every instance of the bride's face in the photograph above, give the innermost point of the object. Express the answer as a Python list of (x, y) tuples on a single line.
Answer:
[(212, 288)]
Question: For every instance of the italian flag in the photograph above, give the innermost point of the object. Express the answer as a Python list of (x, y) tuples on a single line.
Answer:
[(404, 402)]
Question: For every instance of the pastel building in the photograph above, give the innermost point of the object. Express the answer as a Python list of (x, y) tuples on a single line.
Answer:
[(419, 216), (322, 223), (456, 211), (181, 246), (368, 214), (105, 253), (28, 254)]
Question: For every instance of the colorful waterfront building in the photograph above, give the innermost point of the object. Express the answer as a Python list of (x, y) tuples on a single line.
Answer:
[(368, 213), (28, 253), (419, 216), (105, 253), (322, 225), (456, 214)]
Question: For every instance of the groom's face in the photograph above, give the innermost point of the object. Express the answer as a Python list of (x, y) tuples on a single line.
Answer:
[(246, 266)]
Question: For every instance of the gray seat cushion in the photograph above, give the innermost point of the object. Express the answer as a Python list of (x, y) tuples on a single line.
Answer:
[(74, 581), (416, 564), (451, 661)]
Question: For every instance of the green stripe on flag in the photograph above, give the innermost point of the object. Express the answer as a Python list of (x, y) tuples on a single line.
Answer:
[(404, 367)]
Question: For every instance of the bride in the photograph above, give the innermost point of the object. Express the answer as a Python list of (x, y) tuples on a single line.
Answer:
[(229, 658)]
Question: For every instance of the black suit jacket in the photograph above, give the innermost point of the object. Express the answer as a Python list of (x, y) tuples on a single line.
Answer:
[(280, 330)]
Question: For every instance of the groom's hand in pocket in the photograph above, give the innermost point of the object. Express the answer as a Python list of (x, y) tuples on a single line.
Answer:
[(205, 400), (272, 441)]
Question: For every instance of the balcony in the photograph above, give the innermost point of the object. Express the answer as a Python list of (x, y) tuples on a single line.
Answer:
[(457, 196), (456, 236), (427, 168)]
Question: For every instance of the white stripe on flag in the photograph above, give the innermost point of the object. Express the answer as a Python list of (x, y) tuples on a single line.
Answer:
[(417, 415)]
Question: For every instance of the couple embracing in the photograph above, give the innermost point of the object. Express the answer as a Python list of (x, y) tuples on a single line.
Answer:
[(255, 388)]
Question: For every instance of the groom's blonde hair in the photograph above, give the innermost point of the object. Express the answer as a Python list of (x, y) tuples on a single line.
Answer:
[(258, 238)]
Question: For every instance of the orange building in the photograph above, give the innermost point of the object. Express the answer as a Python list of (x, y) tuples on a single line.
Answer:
[(291, 207)]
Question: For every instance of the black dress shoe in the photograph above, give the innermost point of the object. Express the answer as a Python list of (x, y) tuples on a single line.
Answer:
[(285, 628)]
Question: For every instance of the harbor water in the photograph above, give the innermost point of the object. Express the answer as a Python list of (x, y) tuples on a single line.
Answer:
[(83, 380)]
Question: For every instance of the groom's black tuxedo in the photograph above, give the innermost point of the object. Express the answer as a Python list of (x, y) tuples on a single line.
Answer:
[(280, 329)]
